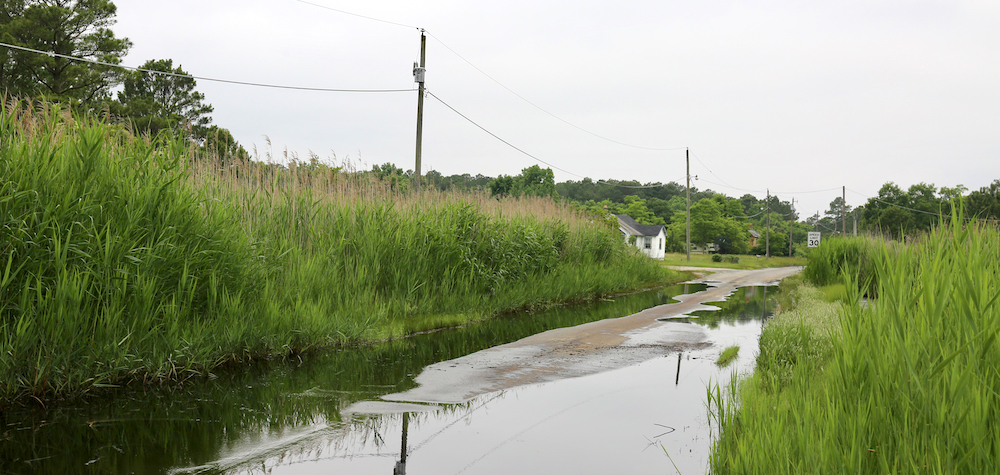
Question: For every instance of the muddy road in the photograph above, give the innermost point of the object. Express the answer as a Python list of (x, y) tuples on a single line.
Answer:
[(584, 349)]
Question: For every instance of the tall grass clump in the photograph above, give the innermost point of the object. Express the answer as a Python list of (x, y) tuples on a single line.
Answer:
[(849, 255), (911, 384), (130, 258), (111, 265)]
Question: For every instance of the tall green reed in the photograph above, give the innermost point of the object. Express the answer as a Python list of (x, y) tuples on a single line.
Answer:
[(127, 258), (911, 385), (851, 255)]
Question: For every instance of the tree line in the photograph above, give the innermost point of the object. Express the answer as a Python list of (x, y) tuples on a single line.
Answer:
[(169, 103), (150, 103)]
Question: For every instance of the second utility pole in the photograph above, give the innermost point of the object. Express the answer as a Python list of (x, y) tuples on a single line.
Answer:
[(687, 158), (418, 76)]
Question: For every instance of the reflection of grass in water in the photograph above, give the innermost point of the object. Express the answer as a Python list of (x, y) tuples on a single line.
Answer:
[(744, 305), (197, 422), (727, 357)]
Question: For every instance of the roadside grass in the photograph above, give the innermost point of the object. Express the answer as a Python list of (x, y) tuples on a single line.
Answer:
[(746, 262), (136, 259), (906, 383)]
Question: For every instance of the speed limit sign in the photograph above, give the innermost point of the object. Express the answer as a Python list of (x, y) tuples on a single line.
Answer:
[(814, 239)]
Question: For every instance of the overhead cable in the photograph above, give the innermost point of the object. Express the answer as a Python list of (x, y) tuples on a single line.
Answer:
[(804, 192), (484, 129), (358, 15), (536, 106), (484, 73), (200, 78), (720, 178), (636, 187)]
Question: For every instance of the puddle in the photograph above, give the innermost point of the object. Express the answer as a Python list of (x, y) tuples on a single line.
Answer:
[(289, 417)]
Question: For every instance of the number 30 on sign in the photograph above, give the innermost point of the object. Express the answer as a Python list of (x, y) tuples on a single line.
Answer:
[(814, 239)]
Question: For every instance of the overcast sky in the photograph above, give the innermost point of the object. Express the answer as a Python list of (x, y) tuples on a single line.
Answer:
[(791, 96)]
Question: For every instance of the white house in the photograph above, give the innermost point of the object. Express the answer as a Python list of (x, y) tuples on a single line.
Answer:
[(651, 239)]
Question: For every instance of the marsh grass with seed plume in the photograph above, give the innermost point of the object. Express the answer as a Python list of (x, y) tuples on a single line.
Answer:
[(135, 259), (906, 382)]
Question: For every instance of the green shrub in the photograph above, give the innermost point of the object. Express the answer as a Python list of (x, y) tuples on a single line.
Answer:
[(716, 257)]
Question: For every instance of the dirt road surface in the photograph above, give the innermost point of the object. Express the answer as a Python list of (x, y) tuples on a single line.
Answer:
[(584, 349)]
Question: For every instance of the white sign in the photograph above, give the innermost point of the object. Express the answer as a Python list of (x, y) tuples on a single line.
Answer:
[(814, 239)]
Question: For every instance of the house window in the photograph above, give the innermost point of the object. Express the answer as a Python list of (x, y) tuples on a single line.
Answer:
[(648, 242), (661, 244)]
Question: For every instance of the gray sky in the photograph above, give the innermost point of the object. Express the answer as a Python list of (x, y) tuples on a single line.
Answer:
[(791, 96)]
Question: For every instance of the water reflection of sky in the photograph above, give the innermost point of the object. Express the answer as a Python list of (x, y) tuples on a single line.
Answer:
[(286, 417), (620, 421)]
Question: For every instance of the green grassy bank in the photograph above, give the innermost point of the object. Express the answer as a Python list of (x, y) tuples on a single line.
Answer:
[(742, 261), (908, 382), (133, 259)]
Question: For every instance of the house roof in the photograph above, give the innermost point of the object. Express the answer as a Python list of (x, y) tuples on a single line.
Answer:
[(630, 226), (754, 233)]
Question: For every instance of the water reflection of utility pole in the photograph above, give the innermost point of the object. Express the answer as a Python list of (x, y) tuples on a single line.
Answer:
[(677, 380), (763, 311), (401, 464)]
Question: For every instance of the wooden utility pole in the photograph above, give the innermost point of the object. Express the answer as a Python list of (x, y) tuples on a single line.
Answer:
[(418, 76), (790, 223), (843, 211), (767, 227), (687, 158)]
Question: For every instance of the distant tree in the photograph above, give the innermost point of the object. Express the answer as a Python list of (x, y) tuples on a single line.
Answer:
[(502, 186), (12, 80), (434, 179), (533, 181), (710, 223), (155, 102), (220, 143), (636, 208), (395, 177), (898, 213), (985, 202), (78, 28)]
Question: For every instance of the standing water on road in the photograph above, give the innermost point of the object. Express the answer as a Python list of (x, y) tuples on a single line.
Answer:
[(291, 417)]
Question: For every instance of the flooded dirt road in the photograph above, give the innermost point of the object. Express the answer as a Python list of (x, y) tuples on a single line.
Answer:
[(611, 386), (580, 350)]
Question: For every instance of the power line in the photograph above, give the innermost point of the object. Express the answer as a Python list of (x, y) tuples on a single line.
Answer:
[(939, 215), (720, 178), (484, 73), (484, 129), (899, 206), (200, 78), (727, 186), (804, 192), (358, 15), (641, 187)]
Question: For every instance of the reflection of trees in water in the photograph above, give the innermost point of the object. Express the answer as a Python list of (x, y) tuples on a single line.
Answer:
[(193, 423), (746, 304)]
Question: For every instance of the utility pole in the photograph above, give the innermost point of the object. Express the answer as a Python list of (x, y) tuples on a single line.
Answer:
[(767, 227), (790, 223), (418, 76), (843, 211), (687, 158)]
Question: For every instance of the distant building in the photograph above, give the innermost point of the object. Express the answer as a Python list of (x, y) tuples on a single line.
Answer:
[(650, 239), (753, 236)]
